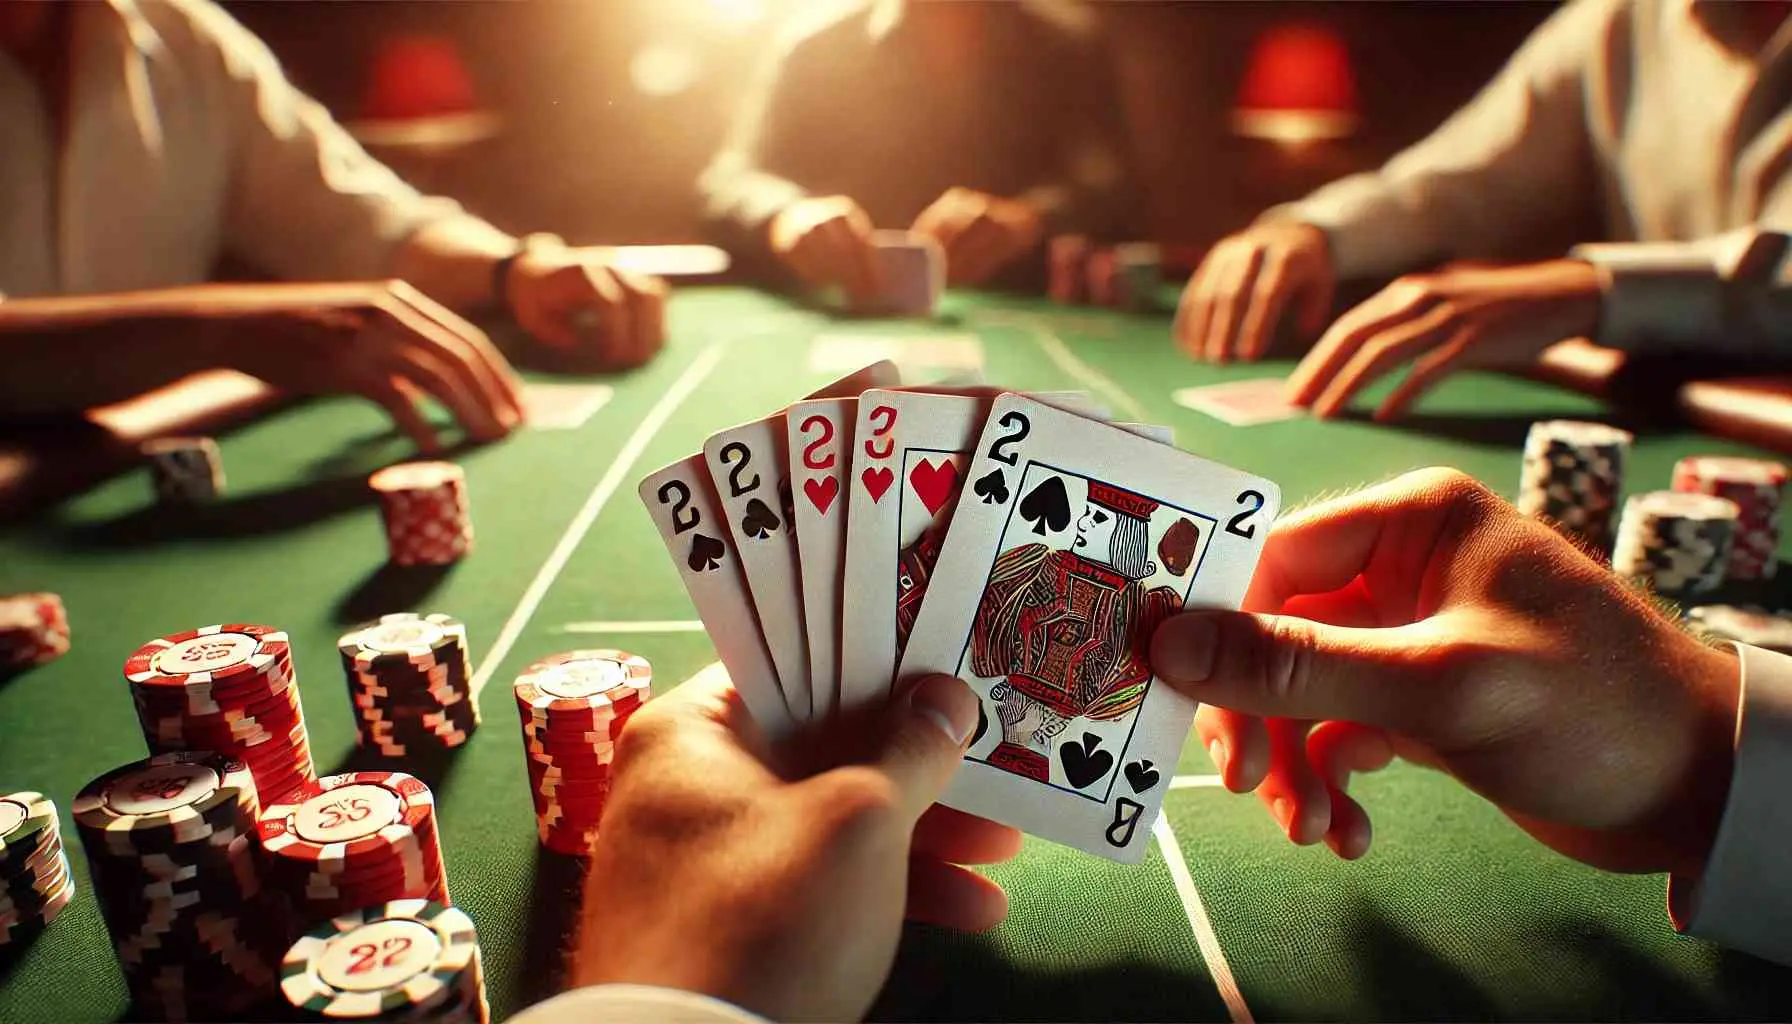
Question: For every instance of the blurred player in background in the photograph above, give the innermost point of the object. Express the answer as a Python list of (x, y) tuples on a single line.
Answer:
[(988, 126), (1659, 127), (141, 141), (1423, 618)]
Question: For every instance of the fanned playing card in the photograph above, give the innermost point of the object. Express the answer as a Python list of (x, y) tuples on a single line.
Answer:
[(688, 516), (819, 439), (1079, 538), (908, 457)]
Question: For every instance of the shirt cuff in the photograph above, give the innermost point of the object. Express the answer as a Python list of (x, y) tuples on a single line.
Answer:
[(634, 1004), (1744, 898), (1653, 292)]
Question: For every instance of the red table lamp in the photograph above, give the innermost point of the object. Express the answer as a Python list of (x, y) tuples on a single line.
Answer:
[(420, 95), (1298, 87)]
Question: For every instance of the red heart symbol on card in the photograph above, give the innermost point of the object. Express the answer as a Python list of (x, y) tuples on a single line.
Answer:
[(934, 484), (821, 491), (877, 481)]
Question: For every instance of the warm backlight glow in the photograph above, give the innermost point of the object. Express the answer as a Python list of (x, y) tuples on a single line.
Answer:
[(742, 11), (1298, 87)]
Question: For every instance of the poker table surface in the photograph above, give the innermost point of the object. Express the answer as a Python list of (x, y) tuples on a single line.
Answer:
[(1454, 914)]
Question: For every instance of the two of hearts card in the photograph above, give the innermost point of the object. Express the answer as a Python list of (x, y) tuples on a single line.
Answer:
[(871, 534)]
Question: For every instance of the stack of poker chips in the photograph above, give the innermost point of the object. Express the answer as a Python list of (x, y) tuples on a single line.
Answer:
[(35, 881), (171, 848), (228, 688), (410, 680), (1745, 624), (352, 840), (33, 630), (1572, 475), (185, 470), (1757, 486), (573, 706), (424, 506), (1125, 276), (1067, 269), (1677, 544), (428, 966)]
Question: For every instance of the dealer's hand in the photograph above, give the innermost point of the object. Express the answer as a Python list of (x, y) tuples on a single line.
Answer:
[(715, 875), (1426, 618), (1452, 319), (826, 240), (979, 233), (575, 300), (1232, 305)]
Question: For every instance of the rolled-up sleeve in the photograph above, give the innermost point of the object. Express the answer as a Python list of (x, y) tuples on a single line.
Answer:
[(634, 1004), (1744, 898), (306, 201)]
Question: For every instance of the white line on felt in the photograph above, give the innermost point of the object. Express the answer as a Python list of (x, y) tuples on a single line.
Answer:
[(1093, 379), (607, 485), (644, 626), (1199, 923), (1197, 782)]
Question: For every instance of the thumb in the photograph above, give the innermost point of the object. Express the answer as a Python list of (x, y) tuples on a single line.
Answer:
[(929, 727), (1281, 666)]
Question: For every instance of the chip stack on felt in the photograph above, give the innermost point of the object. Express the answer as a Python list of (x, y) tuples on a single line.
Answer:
[(1757, 486), (424, 505), (410, 680), (573, 706), (35, 882), (1067, 269), (1573, 473), (33, 630), (170, 842), (185, 470), (1677, 544), (229, 688), (352, 840), (427, 968)]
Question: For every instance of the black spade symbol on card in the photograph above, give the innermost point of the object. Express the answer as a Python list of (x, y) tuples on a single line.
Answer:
[(991, 487), (1084, 764), (760, 520), (1141, 776), (1047, 507), (706, 553)]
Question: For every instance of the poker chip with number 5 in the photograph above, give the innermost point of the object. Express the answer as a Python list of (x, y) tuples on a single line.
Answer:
[(348, 840)]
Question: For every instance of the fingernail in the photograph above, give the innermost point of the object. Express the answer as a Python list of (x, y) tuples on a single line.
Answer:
[(948, 703), (1216, 749), (1283, 809), (1187, 656)]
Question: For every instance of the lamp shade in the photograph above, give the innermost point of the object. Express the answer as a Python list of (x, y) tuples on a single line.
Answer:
[(1298, 86), (420, 93)]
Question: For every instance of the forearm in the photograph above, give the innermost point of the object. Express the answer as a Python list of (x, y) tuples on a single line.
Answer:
[(739, 201), (64, 355), (451, 261)]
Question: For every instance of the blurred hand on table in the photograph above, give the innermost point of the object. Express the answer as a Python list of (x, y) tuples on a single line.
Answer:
[(979, 233), (576, 300)]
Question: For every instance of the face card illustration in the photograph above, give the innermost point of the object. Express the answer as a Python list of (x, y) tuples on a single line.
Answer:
[(1045, 602), (1242, 403), (689, 518), (908, 459), (819, 437), (748, 467)]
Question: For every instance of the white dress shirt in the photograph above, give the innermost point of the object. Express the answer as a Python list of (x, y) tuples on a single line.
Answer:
[(185, 142), (1652, 122)]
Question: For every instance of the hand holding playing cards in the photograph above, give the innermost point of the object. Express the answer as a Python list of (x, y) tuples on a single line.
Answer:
[(1426, 618), (1232, 305), (980, 233), (577, 302), (714, 875), (826, 240), (1453, 319)]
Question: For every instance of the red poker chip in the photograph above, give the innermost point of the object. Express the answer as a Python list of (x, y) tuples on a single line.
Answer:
[(413, 812)]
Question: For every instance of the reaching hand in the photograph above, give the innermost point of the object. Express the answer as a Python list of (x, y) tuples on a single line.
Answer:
[(384, 340), (1426, 618), (826, 241), (980, 233), (715, 875), (1455, 318), (1232, 305), (576, 301)]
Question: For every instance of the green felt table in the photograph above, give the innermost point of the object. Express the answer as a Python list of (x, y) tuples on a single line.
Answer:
[(1454, 914)]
